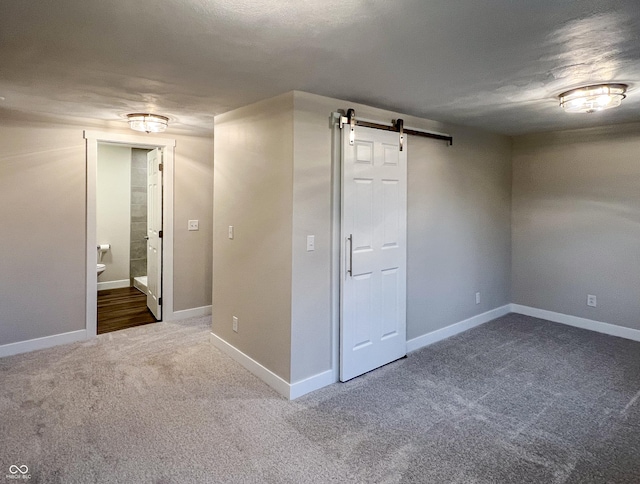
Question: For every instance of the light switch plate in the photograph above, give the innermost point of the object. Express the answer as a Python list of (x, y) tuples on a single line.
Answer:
[(311, 243), (193, 225), (231, 231)]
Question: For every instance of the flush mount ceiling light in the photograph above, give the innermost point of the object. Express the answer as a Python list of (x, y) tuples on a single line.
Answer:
[(149, 123), (590, 99)]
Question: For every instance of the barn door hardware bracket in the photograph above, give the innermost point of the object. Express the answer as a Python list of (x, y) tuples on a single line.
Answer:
[(399, 124), (350, 119)]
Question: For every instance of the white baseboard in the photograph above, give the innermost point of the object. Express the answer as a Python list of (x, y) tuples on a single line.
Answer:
[(599, 326), (190, 313), (114, 284), (311, 384), (453, 329), (290, 391), (42, 343), (140, 286), (266, 375)]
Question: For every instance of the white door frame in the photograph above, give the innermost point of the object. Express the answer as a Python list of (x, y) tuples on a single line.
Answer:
[(336, 241), (168, 147)]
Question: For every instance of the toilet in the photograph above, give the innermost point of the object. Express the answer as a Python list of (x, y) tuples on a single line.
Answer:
[(102, 249)]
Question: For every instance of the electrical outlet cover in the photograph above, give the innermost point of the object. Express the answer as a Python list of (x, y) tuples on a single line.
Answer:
[(311, 243)]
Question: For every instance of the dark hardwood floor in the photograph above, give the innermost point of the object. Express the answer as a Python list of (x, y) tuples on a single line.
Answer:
[(122, 308)]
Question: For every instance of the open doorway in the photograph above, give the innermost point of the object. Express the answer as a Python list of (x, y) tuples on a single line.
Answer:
[(145, 244), (129, 234)]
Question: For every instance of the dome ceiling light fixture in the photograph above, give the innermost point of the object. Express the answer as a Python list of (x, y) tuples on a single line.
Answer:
[(148, 123), (590, 99)]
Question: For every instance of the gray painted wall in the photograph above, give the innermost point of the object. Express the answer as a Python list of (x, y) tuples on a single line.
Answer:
[(42, 230), (459, 228), (253, 182), (576, 223), (42, 236), (311, 332), (193, 192)]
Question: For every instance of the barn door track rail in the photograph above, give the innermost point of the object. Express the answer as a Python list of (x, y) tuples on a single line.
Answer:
[(397, 125)]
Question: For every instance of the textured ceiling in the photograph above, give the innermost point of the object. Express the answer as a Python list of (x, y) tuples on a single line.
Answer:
[(496, 64)]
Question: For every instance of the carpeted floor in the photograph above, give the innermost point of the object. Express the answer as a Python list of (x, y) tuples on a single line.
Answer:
[(517, 400)]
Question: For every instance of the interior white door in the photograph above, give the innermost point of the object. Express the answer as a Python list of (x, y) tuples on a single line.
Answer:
[(374, 227), (154, 232)]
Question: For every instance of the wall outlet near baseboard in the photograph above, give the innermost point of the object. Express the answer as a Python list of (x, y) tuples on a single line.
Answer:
[(477, 298), (235, 324), (591, 301)]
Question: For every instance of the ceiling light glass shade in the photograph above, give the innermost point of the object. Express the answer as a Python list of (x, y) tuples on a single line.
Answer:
[(590, 99), (149, 123)]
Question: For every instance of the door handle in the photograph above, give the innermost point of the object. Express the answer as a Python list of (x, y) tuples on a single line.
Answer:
[(350, 269), (146, 237)]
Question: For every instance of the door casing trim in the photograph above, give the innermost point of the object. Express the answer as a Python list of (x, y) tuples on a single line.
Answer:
[(93, 138)]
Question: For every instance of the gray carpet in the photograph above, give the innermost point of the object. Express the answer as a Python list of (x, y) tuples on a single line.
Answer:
[(516, 400)]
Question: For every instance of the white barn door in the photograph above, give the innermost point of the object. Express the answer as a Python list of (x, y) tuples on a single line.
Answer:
[(374, 232), (154, 232)]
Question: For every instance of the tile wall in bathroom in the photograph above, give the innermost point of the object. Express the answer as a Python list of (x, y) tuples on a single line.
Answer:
[(138, 261)]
